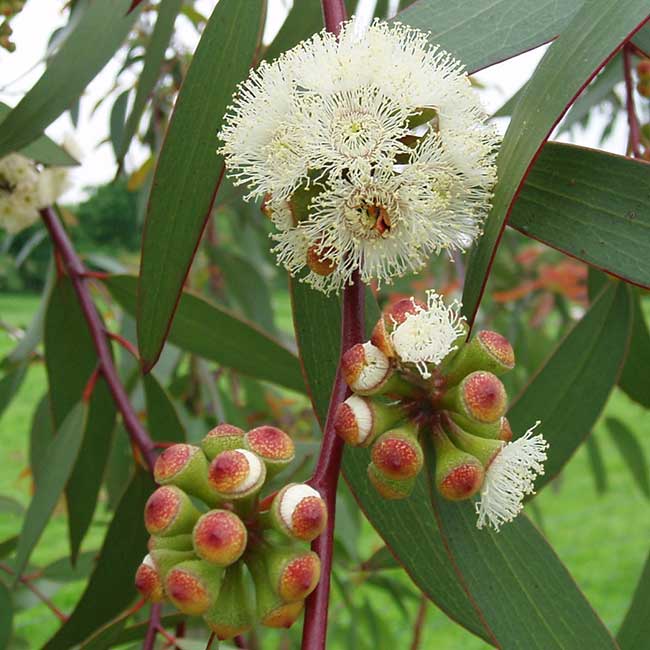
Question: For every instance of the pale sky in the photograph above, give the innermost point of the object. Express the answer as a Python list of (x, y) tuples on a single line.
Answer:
[(19, 71)]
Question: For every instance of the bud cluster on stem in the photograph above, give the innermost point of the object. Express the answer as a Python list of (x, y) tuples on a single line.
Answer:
[(217, 549), (419, 376)]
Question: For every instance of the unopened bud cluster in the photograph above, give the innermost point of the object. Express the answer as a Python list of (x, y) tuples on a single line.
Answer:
[(417, 376), (218, 551), (8, 9)]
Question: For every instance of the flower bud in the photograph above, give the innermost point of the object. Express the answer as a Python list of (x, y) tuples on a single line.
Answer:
[(390, 488), (484, 449), (165, 560), (359, 420), (181, 542), (480, 396), (486, 351), (643, 69), (222, 438), (220, 537), (294, 573), (643, 87), (192, 586), (232, 613), (459, 475), (397, 455), (273, 446), (272, 610), (499, 430), (237, 474), (391, 317), (365, 368), (186, 467), (148, 581), (169, 512), (299, 511)]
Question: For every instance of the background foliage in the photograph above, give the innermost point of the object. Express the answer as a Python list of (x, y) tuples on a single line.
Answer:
[(567, 287)]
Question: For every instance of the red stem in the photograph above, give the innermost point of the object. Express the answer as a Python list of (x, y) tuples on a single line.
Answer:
[(634, 140), (334, 13), (326, 474), (77, 273)]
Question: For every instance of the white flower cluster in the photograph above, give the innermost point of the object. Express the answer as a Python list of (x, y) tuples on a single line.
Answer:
[(371, 152), (25, 189)]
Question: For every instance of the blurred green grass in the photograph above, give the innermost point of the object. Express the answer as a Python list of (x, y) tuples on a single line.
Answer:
[(603, 539)]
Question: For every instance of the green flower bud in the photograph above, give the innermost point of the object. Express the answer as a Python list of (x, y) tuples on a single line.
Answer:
[(273, 446), (233, 611), (499, 430), (176, 543), (186, 467), (359, 420), (222, 438), (165, 560), (294, 572), (169, 512), (480, 396), (482, 448), (220, 537), (397, 454), (459, 475), (299, 512), (192, 586), (390, 488), (486, 351)]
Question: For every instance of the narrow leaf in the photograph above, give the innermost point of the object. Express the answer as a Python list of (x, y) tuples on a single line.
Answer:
[(10, 384), (591, 39), (162, 419), (153, 60), (632, 453), (98, 33), (110, 588), (216, 333), (635, 629), (189, 169), (596, 464), (634, 378), (61, 455), (570, 390), (482, 34), (43, 149), (6, 616), (591, 205), (303, 20), (117, 120)]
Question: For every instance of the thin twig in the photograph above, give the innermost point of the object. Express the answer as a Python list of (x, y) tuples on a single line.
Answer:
[(37, 592), (419, 624), (634, 139), (77, 273), (152, 628)]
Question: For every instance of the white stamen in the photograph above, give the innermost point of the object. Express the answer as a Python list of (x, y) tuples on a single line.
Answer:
[(362, 415), (148, 561), (292, 497), (428, 335), (509, 478)]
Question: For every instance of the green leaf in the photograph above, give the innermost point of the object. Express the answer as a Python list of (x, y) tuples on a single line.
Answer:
[(6, 616), (408, 527), (98, 33), (592, 37), (634, 378), (7, 546), (61, 455), (110, 588), (11, 505), (303, 20), (522, 591), (217, 334), (115, 634), (189, 169), (43, 149), (635, 629), (10, 384), (632, 453), (70, 359), (153, 60), (117, 120), (40, 435), (570, 390), (481, 34), (380, 560), (591, 205), (62, 570), (162, 418), (83, 486), (596, 464)]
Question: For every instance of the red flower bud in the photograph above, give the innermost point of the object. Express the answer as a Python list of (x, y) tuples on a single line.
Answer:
[(397, 455), (220, 537), (193, 586), (148, 581), (169, 511), (390, 488), (360, 420), (480, 396), (222, 438), (272, 445), (299, 511), (365, 368), (237, 473), (486, 351)]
